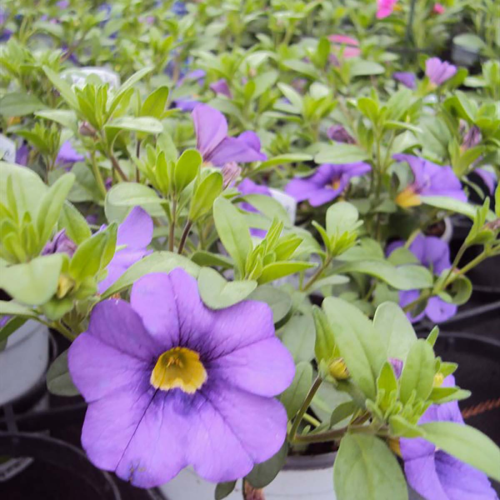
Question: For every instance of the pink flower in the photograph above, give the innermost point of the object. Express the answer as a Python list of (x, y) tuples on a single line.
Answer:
[(349, 46), (385, 8), (438, 8)]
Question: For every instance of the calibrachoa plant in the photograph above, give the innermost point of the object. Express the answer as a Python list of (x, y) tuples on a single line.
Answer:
[(235, 214)]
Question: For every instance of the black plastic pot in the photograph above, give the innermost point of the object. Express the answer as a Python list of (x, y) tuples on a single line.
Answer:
[(60, 472)]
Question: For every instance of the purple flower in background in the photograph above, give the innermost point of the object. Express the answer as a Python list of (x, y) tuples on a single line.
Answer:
[(60, 244), (196, 75), (68, 155), (406, 78), (433, 473), (221, 87), (327, 183), (22, 155), (247, 186), (214, 144), (134, 234), (471, 138), (171, 383), (338, 133), (62, 4), (434, 254), (439, 71), (186, 104), (397, 366), (429, 180), (179, 8), (489, 178)]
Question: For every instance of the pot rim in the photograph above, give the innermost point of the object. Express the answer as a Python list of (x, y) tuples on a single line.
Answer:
[(310, 462)]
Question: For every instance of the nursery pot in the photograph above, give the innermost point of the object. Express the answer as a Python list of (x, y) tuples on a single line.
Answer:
[(61, 471), (302, 478), (464, 56), (23, 361)]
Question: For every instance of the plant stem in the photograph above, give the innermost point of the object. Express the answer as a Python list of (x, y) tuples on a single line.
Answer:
[(305, 405), (171, 234), (184, 236), (98, 176), (312, 420), (317, 274), (65, 332), (116, 166)]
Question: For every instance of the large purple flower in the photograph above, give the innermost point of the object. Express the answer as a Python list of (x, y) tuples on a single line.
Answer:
[(134, 235), (61, 243), (214, 144), (327, 183), (439, 71), (429, 180), (171, 383), (433, 473), (434, 254)]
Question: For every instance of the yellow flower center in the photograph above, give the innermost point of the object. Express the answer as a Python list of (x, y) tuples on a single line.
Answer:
[(336, 184), (179, 368), (408, 198), (438, 380)]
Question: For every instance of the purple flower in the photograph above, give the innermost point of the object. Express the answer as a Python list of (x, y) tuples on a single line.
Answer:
[(338, 133), (439, 71), (214, 144), (406, 78), (429, 180), (471, 138), (60, 244), (247, 186), (68, 155), (4, 320), (171, 383), (433, 473), (434, 254), (489, 178), (221, 87), (186, 104), (22, 155), (397, 366), (179, 8), (134, 234), (327, 183)]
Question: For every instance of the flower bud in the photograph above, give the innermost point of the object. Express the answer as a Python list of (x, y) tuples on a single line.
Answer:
[(64, 285), (230, 172), (87, 130), (438, 380), (338, 369)]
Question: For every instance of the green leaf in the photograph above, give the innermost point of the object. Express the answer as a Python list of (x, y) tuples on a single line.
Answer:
[(91, 256), (341, 153), (324, 346), (59, 380), (223, 490), (19, 104), (270, 207), (467, 444), (217, 293), (67, 118), (144, 124), (155, 103), (233, 232), (205, 195), (359, 343), (469, 41), (400, 427), (402, 278), (418, 372), (33, 283), (292, 95), (284, 159), (208, 259), (278, 270), (358, 67), (51, 205), (12, 325), (298, 335), (264, 473), (365, 469), (11, 308), (74, 223), (453, 205), (342, 411), (387, 385), (158, 262), (341, 217), (280, 302), (186, 169), (63, 87), (395, 329), (294, 396)]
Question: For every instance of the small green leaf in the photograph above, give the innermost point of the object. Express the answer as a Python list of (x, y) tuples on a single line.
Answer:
[(341, 217), (223, 490), (280, 302), (341, 153), (217, 293), (264, 473), (155, 103), (342, 411), (63, 87), (298, 337), (33, 283), (278, 270), (418, 372), (186, 169), (59, 380), (19, 104), (294, 396), (144, 124), (233, 232), (74, 223)]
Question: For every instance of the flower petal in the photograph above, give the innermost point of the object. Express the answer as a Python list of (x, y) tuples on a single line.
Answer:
[(98, 369), (236, 430), (422, 476), (171, 309), (136, 231), (210, 126), (265, 368), (438, 310), (234, 149)]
